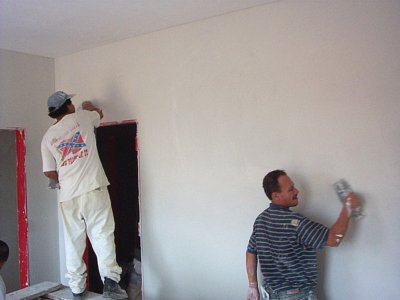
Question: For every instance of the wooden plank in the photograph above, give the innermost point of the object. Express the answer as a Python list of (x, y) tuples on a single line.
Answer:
[(65, 294), (34, 291)]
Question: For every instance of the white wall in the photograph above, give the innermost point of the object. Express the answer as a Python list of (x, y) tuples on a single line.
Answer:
[(311, 87), (25, 83)]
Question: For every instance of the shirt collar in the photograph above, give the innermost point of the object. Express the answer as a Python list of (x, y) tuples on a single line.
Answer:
[(279, 207)]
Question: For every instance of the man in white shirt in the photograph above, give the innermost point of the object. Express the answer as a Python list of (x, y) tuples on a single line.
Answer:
[(70, 158)]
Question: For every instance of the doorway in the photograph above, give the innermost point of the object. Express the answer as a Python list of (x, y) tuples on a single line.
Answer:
[(118, 151), (13, 203)]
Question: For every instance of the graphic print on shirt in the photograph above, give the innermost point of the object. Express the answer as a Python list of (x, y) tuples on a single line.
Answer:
[(72, 149)]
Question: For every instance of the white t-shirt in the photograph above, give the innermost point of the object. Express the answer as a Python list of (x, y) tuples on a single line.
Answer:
[(69, 147)]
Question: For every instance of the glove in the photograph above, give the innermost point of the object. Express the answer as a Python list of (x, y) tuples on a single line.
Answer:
[(53, 184), (253, 293)]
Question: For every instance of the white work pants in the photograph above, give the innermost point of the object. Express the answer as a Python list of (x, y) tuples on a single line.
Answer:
[(89, 214)]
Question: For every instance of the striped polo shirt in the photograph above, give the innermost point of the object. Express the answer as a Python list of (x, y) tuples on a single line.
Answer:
[(285, 243)]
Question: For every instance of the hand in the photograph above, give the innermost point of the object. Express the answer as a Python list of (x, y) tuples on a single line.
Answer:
[(352, 201), (253, 293), (88, 105)]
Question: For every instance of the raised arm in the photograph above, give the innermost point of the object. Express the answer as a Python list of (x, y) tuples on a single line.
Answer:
[(88, 105), (339, 229)]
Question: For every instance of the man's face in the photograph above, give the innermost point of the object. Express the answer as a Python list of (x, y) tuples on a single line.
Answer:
[(288, 194), (71, 108)]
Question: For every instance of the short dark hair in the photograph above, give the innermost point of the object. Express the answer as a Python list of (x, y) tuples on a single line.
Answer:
[(271, 184), (4, 251), (62, 110)]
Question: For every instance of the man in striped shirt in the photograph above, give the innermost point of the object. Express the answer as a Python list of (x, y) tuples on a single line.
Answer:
[(285, 243)]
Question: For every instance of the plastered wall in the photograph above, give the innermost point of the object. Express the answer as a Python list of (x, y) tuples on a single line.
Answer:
[(25, 83), (311, 87), (308, 86)]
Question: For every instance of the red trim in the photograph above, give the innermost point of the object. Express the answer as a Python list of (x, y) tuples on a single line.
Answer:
[(108, 123), (22, 209), (132, 121), (112, 123), (86, 260)]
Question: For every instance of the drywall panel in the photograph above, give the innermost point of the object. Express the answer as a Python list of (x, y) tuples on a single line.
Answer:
[(25, 83), (307, 86)]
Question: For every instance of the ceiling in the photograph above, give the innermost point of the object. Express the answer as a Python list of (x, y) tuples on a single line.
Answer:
[(54, 28)]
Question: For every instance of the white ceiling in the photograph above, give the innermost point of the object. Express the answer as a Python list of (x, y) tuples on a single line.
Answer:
[(55, 28)]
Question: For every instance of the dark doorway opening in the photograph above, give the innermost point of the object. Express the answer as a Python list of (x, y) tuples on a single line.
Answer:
[(118, 151), (13, 203)]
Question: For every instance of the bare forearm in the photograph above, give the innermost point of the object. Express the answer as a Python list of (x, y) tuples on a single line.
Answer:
[(251, 267), (339, 229), (88, 105), (52, 175)]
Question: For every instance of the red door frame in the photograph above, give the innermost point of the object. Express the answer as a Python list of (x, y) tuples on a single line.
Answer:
[(22, 208), (86, 252)]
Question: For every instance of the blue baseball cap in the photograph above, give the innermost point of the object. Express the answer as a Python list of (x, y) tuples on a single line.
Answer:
[(56, 100)]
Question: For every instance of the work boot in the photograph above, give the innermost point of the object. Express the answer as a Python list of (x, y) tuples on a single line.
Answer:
[(112, 290), (79, 296)]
